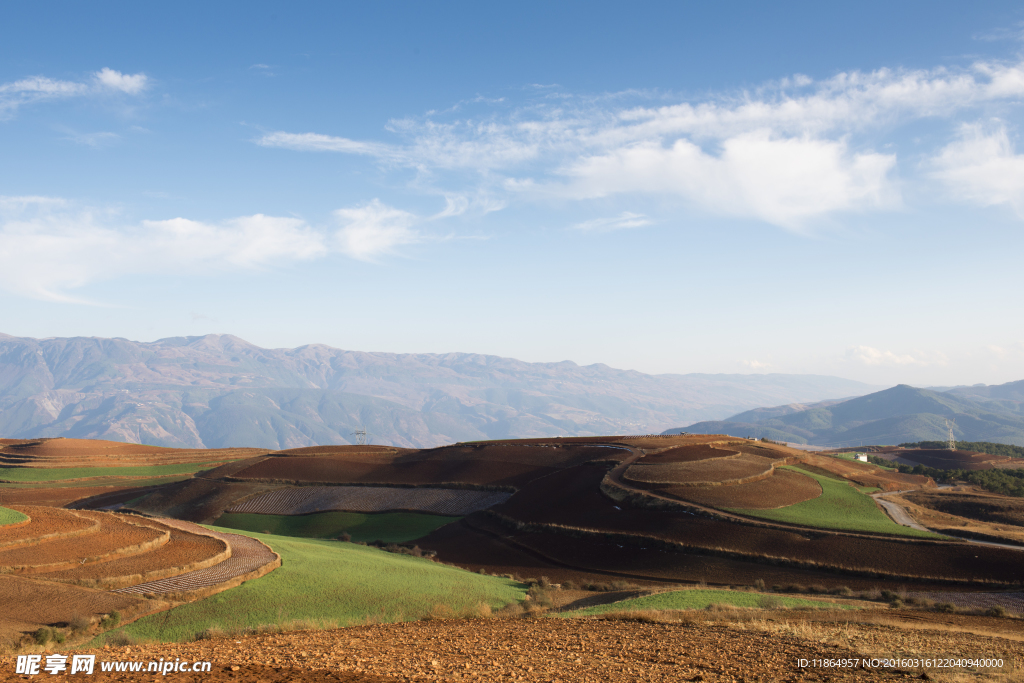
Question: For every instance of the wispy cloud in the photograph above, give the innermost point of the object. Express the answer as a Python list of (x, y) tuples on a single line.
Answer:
[(867, 355), (40, 88), (373, 230), (789, 153), (982, 167), (98, 139), (623, 221), (50, 247)]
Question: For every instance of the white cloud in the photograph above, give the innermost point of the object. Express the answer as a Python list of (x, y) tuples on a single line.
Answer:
[(98, 139), (982, 167), (374, 229), (39, 88), (789, 153), (868, 355), (781, 181), (115, 80), (49, 247), (755, 364), (623, 221)]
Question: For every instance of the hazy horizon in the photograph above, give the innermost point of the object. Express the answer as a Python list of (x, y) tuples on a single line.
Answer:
[(672, 189)]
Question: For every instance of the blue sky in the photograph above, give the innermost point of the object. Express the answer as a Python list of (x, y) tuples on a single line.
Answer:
[(668, 187)]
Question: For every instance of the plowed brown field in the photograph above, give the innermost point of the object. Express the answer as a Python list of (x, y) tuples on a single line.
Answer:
[(184, 552), (26, 603), (783, 488), (247, 555), (687, 454), (702, 472), (572, 498), (114, 539), (984, 507), (62, 452), (344, 471), (952, 460), (45, 524), (301, 500), (865, 474)]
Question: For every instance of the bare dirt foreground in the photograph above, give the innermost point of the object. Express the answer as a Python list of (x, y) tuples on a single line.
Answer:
[(571, 651)]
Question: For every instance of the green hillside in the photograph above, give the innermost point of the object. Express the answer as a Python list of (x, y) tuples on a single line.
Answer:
[(327, 583)]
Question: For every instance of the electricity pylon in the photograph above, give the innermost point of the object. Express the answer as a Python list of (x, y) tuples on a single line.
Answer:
[(952, 439)]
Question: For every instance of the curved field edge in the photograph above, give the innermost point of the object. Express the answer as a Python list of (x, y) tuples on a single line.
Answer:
[(840, 507), (23, 475), (698, 598), (331, 584), (9, 516), (390, 527)]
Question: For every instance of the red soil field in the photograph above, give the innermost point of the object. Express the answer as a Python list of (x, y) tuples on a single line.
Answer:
[(247, 555), (115, 538), (984, 507), (46, 523), (28, 603), (713, 471), (953, 460), (179, 555), (301, 500), (343, 450), (62, 452), (783, 488), (542, 455), (476, 543), (197, 500), (686, 454), (572, 498), (344, 471), (865, 474)]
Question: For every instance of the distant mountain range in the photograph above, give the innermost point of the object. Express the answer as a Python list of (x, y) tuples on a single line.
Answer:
[(220, 391), (898, 415)]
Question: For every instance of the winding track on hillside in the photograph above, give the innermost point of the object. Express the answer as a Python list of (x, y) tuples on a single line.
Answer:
[(247, 555)]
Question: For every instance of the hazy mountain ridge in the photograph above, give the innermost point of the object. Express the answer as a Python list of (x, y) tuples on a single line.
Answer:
[(897, 415), (219, 390)]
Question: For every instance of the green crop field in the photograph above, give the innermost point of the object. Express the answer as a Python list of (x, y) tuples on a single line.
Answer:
[(329, 583), (8, 516), (698, 598), (390, 527), (840, 506), (48, 474)]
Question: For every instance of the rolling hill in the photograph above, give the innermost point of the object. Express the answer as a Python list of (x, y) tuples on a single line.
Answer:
[(219, 390), (897, 415)]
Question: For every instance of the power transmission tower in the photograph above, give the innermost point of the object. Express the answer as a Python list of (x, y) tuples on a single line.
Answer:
[(362, 436), (952, 439)]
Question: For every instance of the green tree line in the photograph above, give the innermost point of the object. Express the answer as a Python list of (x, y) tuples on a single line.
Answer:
[(1006, 482), (977, 446)]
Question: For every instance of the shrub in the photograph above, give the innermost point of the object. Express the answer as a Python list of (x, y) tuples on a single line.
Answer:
[(889, 596), (895, 603), (120, 639), (110, 621), (844, 591), (544, 582), (345, 537), (769, 602), (569, 585), (79, 623), (945, 607), (759, 584), (996, 611), (43, 635)]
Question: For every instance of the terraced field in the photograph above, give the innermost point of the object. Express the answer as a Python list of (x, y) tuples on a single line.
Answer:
[(782, 489), (735, 468), (248, 556), (303, 500), (839, 507)]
